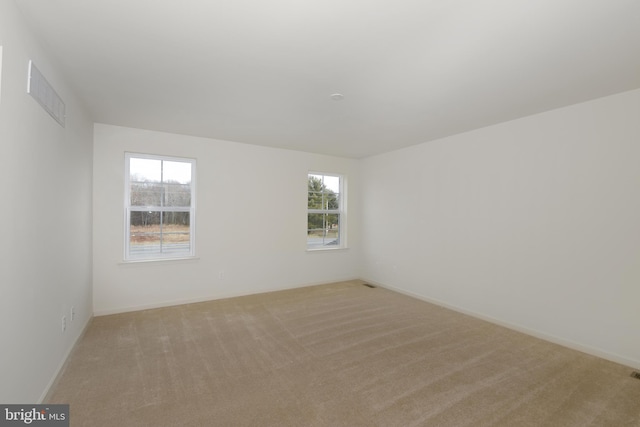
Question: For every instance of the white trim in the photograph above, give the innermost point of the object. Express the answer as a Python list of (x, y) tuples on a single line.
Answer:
[(593, 351), (128, 208), (157, 260), (327, 249), (212, 297), (58, 372), (341, 212)]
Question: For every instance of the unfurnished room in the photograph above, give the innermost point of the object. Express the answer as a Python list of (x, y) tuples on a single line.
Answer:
[(320, 213)]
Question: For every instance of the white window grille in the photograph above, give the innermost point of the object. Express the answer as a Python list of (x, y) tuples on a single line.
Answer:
[(159, 207), (325, 211)]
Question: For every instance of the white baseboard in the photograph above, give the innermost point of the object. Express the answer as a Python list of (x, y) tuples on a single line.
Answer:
[(632, 363), (58, 373), (635, 364), (212, 297)]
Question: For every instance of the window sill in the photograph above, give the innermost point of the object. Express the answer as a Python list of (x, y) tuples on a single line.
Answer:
[(327, 250), (133, 262)]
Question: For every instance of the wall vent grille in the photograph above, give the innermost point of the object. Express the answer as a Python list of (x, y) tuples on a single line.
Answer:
[(40, 89)]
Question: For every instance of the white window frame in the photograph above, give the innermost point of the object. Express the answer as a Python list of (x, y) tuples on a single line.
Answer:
[(128, 209), (341, 212)]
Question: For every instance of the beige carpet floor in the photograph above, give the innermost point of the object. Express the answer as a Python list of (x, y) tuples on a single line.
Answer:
[(334, 355)]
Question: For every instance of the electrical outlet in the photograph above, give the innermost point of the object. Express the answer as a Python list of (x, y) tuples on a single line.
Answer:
[(221, 275), (73, 313), (64, 323)]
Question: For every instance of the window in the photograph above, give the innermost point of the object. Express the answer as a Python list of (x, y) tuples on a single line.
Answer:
[(159, 207), (325, 212)]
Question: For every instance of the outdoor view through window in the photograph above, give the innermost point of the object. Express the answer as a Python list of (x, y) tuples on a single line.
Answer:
[(324, 211), (159, 207)]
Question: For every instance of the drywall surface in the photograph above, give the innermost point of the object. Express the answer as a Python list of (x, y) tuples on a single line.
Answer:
[(250, 222), (45, 220), (533, 223)]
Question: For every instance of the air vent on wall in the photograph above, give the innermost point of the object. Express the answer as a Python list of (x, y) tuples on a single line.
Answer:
[(40, 89)]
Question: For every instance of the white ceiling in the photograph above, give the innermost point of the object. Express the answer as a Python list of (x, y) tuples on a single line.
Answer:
[(262, 72)]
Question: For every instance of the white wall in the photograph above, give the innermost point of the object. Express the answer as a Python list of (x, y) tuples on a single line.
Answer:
[(250, 222), (534, 223), (45, 220)]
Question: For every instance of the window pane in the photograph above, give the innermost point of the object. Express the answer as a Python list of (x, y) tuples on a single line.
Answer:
[(314, 200), (144, 180), (155, 233), (176, 172), (332, 183), (315, 223), (323, 230), (332, 234), (331, 200), (332, 224), (144, 237), (177, 195), (176, 236), (145, 193), (315, 190), (315, 177), (323, 192), (145, 170)]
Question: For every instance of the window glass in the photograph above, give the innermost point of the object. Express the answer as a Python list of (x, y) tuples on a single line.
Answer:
[(325, 215), (160, 207)]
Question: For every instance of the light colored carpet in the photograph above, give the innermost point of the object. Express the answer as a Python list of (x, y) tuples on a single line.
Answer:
[(333, 355)]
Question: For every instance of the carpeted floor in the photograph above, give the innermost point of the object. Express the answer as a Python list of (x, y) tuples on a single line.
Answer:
[(334, 355)]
